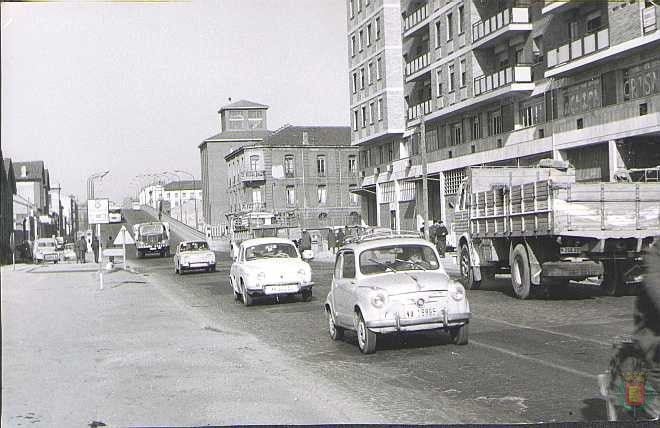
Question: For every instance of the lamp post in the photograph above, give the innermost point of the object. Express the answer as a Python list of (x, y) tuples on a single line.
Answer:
[(90, 182), (194, 195)]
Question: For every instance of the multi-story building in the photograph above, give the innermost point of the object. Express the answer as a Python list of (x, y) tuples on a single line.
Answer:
[(185, 197), (7, 192), (241, 123), (298, 176), (31, 202), (512, 82)]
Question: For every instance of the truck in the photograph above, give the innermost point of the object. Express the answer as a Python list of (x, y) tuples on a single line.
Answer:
[(545, 229), (152, 238)]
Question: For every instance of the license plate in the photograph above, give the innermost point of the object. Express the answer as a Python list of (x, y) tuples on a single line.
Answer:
[(278, 289), (429, 312), (570, 250), (51, 257), (153, 248), (198, 264)]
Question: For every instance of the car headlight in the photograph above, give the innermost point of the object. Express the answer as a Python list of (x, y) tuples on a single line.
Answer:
[(457, 292), (379, 300)]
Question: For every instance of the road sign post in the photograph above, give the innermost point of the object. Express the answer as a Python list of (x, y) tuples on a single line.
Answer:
[(123, 238), (98, 212), (12, 247)]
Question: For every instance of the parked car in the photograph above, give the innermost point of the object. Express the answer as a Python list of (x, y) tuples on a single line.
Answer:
[(192, 255), (69, 252), (44, 250), (270, 267), (385, 284)]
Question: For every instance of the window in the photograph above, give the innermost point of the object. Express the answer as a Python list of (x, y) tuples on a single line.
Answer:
[(290, 195), (438, 34), (352, 8), (361, 40), (438, 82), (254, 162), (355, 120), (461, 17), (372, 113), (379, 68), (320, 166), (532, 112), (289, 169), (476, 127), (359, 5), (364, 117), (456, 136), (362, 78), (380, 109), (255, 119), (494, 122), (537, 49), (431, 140), (593, 22), (390, 152), (348, 265), (353, 198), (450, 27), (377, 28), (352, 45), (321, 192), (461, 66), (256, 196), (352, 164), (370, 67), (573, 30), (452, 78), (354, 82), (235, 120), (368, 34)]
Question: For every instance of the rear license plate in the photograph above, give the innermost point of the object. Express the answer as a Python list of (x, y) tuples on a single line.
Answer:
[(198, 264), (278, 289), (51, 257), (570, 250)]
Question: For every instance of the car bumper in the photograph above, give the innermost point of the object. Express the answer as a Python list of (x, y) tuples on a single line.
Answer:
[(198, 265), (266, 292), (417, 324)]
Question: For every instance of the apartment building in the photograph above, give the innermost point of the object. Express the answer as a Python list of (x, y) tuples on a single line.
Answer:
[(511, 82), (299, 176)]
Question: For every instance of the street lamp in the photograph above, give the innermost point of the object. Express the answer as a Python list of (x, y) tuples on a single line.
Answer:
[(90, 182), (194, 195)]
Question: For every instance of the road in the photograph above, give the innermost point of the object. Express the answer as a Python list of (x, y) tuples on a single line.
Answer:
[(527, 361)]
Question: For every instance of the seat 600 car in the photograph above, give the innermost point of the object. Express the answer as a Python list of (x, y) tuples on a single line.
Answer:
[(393, 284), (192, 255), (269, 267)]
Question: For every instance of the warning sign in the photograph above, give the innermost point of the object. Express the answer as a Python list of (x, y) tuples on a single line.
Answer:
[(123, 237)]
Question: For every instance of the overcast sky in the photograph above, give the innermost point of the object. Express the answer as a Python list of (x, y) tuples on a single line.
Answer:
[(135, 87)]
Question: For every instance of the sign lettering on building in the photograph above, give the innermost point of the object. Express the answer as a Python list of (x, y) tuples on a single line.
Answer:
[(582, 97), (641, 81)]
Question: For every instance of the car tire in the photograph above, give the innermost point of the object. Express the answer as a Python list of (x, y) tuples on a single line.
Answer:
[(465, 267), (459, 335), (336, 333), (306, 295), (176, 269), (520, 275), (366, 338), (247, 299), (212, 268)]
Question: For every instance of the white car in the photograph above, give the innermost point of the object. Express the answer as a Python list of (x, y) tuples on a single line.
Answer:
[(270, 267), (393, 284), (193, 255), (44, 250)]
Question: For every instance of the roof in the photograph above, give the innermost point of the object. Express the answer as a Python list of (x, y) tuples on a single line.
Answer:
[(359, 246), (246, 135), (271, 240), (183, 185), (34, 171), (8, 171), (242, 105)]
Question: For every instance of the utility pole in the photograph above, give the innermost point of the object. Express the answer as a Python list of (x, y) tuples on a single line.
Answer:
[(425, 183)]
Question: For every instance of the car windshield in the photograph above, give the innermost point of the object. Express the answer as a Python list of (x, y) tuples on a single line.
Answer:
[(272, 250), (151, 229), (194, 246), (49, 243), (395, 258), (70, 246)]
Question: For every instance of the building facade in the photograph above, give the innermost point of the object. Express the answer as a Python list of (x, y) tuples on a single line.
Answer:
[(512, 82), (31, 202), (298, 176), (241, 123), (7, 192)]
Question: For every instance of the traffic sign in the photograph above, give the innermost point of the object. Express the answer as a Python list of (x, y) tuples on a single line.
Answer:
[(98, 211), (123, 237)]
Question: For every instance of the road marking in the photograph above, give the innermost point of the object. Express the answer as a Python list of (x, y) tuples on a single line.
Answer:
[(572, 336), (536, 360)]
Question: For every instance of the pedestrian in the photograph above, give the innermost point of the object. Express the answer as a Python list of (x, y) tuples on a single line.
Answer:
[(332, 241), (340, 238), (82, 249), (305, 241), (441, 238), (95, 248), (108, 245)]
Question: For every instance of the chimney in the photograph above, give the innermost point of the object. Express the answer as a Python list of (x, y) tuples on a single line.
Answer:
[(305, 138)]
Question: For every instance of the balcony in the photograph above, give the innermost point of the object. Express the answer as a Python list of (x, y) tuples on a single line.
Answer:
[(417, 64), (252, 175), (586, 45), (415, 18), (253, 206), (487, 32), (419, 109), (553, 6), (507, 76)]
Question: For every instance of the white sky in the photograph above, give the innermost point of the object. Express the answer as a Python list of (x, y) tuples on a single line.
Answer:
[(135, 87)]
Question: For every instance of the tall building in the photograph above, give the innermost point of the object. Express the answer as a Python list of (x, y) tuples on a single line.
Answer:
[(299, 176), (511, 82), (7, 192), (241, 123), (31, 204)]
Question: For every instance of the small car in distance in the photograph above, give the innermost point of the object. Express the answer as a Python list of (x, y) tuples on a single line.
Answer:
[(69, 252), (270, 267), (192, 255), (45, 250), (386, 284)]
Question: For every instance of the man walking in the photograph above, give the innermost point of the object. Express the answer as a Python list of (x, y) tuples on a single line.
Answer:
[(332, 241), (340, 238), (82, 249), (441, 233), (305, 241), (95, 248)]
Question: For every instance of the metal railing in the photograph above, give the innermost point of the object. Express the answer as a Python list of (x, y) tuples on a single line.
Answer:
[(253, 175), (515, 15), (417, 64), (417, 110), (416, 17), (585, 45), (490, 82)]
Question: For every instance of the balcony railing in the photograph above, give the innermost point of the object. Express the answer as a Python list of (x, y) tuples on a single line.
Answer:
[(253, 206), (253, 175), (416, 17), (515, 15), (419, 109), (417, 64), (490, 82), (587, 44)]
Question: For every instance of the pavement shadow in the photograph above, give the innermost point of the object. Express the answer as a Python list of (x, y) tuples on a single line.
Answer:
[(594, 409), (404, 341)]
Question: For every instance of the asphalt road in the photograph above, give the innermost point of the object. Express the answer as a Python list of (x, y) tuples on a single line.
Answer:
[(527, 361)]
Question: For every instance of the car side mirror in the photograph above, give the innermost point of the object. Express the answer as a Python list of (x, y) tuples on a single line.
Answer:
[(307, 255)]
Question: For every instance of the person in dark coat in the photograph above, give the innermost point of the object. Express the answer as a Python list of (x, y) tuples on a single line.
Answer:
[(305, 241), (332, 241), (95, 248), (82, 249), (340, 238), (441, 238)]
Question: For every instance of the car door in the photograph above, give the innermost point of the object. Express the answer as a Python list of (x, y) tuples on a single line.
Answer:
[(343, 287)]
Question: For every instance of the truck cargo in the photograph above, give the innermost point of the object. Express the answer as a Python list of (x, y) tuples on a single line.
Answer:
[(546, 229), (152, 238)]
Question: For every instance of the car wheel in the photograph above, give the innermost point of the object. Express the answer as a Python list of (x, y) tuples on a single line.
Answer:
[(467, 274), (520, 276), (366, 338), (212, 268), (176, 269), (247, 299), (306, 295), (459, 335), (336, 333)]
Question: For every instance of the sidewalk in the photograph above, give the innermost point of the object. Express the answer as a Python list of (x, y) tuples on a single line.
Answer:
[(130, 355)]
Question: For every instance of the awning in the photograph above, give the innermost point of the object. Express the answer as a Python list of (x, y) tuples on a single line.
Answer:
[(364, 191), (541, 88)]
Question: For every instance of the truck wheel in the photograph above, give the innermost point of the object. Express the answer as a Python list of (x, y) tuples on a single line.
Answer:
[(612, 281), (520, 276), (467, 274)]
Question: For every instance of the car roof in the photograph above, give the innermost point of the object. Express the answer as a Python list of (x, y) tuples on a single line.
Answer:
[(46, 240), (360, 246), (191, 241), (268, 240)]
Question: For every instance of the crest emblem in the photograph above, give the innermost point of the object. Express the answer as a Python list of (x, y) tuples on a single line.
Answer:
[(635, 389)]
